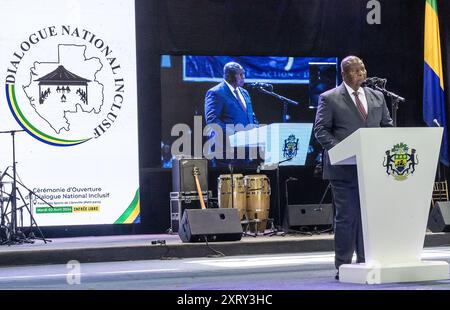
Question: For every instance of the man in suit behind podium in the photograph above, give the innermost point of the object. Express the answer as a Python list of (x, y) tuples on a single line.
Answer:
[(228, 103), (341, 111)]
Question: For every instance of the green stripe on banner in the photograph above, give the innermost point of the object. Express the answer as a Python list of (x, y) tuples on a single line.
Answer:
[(433, 4), (44, 210), (129, 210)]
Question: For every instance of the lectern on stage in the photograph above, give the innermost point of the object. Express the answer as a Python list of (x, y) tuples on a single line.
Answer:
[(396, 171), (283, 143)]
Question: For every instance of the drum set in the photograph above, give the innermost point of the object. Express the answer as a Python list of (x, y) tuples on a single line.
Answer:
[(249, 194)]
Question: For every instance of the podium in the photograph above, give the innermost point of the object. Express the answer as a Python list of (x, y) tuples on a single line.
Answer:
[(279, 141), (396, 171)]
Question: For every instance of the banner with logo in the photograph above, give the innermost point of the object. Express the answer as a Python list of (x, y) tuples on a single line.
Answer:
[(68, 112)]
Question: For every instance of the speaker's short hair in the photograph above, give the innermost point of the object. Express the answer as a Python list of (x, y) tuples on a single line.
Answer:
[(347, 61), (230, 69)]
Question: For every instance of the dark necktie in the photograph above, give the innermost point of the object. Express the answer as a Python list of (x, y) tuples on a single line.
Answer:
[(239, 99), (360, 106)]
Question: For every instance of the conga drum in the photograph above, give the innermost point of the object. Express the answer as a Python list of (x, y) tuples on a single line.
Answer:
[(258, 201), (232, 195)]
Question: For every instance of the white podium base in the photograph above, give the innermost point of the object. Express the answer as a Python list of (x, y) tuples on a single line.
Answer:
[(411, 272)]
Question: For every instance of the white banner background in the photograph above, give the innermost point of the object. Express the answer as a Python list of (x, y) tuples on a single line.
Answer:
[(109, 162)]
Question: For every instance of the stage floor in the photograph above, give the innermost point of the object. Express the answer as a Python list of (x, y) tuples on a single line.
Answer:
[(140, 247), (235, 274)]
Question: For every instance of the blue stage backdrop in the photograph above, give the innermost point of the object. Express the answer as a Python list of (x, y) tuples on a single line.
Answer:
[(288, 70)]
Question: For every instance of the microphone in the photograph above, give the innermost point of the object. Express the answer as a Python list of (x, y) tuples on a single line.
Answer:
[(258, 85), (380, 85), (435, 121), (374, 81)]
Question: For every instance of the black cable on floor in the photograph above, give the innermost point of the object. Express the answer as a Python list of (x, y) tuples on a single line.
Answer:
[(218, 253), (165, 256)]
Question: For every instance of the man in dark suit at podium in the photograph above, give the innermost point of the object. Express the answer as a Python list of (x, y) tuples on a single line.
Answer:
[(342, 111), (228, 103)]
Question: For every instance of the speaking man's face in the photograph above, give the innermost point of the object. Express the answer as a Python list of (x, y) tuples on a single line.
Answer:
[(240, 78), (355, 73)]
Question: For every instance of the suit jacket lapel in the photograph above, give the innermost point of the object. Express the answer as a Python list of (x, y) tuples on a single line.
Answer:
[(232, 96), (348, 100), (369, 99), (228, 91), (240, 104), (248, 102)]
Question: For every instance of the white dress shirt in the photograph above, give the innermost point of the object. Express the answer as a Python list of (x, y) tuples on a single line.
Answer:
[(361, 96), (239, 92)]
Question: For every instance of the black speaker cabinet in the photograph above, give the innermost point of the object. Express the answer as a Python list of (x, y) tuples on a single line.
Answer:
[(213, 224), (180, 202), (183, 176), (309, 214), (439, 219)]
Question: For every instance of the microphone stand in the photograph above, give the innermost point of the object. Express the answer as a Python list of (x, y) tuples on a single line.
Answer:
[(284, 100), (286, 221), (395, 99), (436, 123), (15, 235), (32, 220)]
